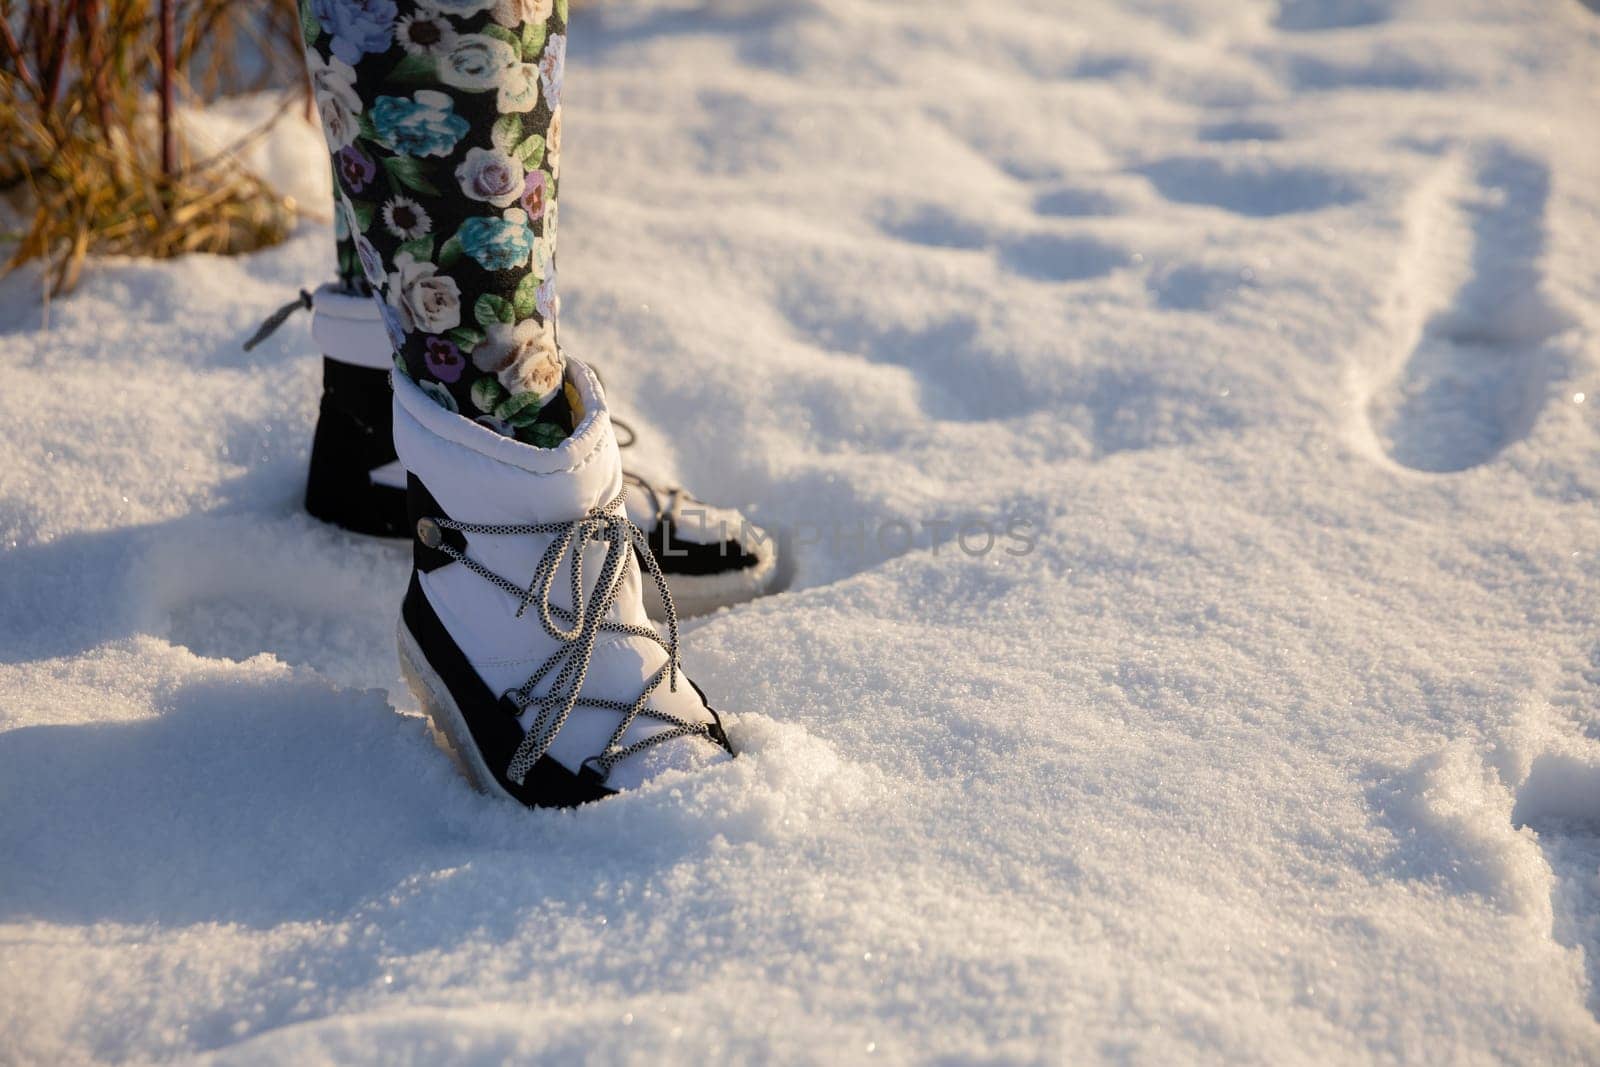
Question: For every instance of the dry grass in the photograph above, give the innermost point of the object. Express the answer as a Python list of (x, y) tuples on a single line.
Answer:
[(92, 159)]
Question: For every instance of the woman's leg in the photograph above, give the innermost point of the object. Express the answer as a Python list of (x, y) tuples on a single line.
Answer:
[(443, 118), (444, 122)]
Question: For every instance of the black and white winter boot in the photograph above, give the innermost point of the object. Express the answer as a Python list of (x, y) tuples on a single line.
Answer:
[(355, 480), (523, 632), (713, 557)]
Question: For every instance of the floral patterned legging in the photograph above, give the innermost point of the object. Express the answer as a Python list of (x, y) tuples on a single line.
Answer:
[(444, 121)]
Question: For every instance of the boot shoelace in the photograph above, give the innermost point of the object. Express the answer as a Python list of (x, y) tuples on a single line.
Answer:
[(664, 503), (278, 318), (570, 661)]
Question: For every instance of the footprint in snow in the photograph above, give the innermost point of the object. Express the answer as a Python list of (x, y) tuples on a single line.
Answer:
[(1560, 803), (1249, 185), (1310, 16), (233, 588), (1478, 371)]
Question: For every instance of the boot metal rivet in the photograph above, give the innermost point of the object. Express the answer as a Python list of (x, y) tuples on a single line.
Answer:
[(429, 534)]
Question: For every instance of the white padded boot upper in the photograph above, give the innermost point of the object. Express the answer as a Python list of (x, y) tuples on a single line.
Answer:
[(479, 476)]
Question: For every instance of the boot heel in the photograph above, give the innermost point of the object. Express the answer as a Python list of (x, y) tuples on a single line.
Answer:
[(449, 728), (353, 439)]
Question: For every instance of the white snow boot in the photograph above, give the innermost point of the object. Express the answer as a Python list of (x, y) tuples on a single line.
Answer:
[(523, 632), (713, 557)]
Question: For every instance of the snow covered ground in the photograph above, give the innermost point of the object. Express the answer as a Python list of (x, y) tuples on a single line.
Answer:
[(1276, 321)]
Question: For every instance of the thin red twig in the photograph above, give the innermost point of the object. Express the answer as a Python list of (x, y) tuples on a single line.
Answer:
[(169, 143), (14, 50)]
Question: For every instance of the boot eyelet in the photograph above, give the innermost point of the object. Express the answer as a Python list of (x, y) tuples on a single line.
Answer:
[(429, 534), (592, 772)]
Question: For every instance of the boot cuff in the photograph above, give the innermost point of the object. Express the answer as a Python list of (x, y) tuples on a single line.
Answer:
[(349, 328), (478, 475)]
